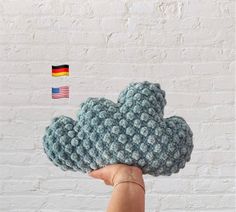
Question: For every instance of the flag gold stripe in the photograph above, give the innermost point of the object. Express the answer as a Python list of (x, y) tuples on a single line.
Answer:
[(60, 74)]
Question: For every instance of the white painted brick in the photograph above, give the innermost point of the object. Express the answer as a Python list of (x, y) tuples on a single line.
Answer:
[(74, 201), (196, 84), (17, 38), (81, 9), (223, 142), (87, 39), (19, 128), (186, 46), (16, 186), (7, 114), (15, 82), (139, 24), (190, 171), (141, 8), (149, 54), (108, 8), (48, 23), (124, 71), (232, 66), (153, 201), (18, 172), (198, 201), (197, 23), (224, 83), (173, 186), (214, 158), (27, 7), (32, 114), (193, 115), (213, 186), (112, 25), (132, 39), (162, 39), (210, 114), (200, 8), (204, 37), (19, 201), (13, 68), (32, 158), (37, 172), (226, 142), (208, 170), (216, 129), (215, 68), (213, 23), (198, 55), (216, 98), (25, 23), (182, 99), (17, 143), (223, 113), (174, 202), (228, 170), (27, 53), (226, 8), (208, 210), (75, 186)]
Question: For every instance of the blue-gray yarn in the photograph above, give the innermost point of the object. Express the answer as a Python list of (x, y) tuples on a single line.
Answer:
[(131, 131)]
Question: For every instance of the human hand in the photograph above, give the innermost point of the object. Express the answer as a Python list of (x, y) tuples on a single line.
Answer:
[(111, 174)]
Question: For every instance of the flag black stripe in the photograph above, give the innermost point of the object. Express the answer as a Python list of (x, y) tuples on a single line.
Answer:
[(60, 66)]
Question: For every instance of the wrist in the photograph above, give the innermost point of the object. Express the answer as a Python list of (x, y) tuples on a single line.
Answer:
[(129, 173)]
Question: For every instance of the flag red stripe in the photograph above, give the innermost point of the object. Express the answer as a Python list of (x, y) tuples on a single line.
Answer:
[(60, 95), (60, 70)]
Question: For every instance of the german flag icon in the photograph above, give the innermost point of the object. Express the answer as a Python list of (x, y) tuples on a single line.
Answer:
[(61, 70)]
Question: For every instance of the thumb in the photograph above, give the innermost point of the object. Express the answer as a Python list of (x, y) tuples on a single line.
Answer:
[(96, 174)]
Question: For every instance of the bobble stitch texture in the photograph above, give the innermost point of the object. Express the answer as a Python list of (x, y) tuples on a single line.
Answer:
[(131, 131)]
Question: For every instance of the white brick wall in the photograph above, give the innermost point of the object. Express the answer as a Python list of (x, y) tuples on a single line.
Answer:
[(185, 45)]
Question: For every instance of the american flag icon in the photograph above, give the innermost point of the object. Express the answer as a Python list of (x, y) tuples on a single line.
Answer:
[(60, 92)]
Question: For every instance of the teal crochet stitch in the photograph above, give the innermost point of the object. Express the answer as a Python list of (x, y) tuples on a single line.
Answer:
[(131, 131)]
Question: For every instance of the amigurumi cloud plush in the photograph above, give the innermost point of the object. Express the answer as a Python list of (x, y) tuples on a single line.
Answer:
[(131, 131)]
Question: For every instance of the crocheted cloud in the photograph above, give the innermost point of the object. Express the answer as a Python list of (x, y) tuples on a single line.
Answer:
[(131, 131)]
